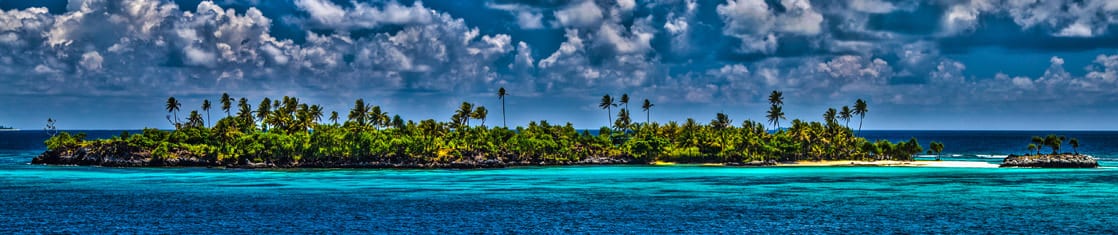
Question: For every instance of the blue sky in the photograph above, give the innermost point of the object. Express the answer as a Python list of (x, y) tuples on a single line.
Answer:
[(979, 64)]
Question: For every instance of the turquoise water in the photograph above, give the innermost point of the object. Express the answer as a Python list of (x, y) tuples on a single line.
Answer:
[(611, 199)]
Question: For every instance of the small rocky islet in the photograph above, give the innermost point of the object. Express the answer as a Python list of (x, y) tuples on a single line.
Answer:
[(1051, 161)]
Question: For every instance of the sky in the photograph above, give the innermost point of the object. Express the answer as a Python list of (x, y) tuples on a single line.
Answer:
[(925, 65)]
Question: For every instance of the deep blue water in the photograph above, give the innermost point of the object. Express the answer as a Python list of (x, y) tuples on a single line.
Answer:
[(612, 199)]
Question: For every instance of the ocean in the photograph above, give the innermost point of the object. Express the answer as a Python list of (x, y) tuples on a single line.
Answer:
[(591, 199)]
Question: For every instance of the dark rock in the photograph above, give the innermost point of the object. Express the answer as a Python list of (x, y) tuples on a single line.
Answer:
[(1051, 161)]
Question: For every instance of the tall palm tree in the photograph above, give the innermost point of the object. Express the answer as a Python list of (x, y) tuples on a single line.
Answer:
[(245, 112), (624, 100), (607, 103), (206, 107), (720, 123), (226, 103), (173, 106), (776, 108), (480, 113), (501, 96), (262, 112), (775, 114), (358, 113), (334, 117), (647, 106), (776, 98), (846, 115), (860, 110)]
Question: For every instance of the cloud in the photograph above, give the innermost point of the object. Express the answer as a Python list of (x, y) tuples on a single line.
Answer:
[(363, 16), (757, 25), (583, 14)]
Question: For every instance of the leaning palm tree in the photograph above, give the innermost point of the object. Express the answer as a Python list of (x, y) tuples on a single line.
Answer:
[(647, 107), (334, 117), (607, 103), (860, 110), (206, 107), (226, 103), (846, 114), (463, 114), (173, 106), (501, 96)]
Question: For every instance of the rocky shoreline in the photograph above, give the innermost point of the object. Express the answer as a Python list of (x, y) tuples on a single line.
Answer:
[(1051, 161), (108, 156)]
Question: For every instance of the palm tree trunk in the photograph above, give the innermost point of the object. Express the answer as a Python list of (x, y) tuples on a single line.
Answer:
[(609, 113), (860, 124), (504, 120)]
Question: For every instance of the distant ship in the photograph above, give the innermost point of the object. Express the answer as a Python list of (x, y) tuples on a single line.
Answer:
[(8, 128)]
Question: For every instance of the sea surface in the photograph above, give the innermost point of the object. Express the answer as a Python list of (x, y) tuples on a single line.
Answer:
[(602, 199)]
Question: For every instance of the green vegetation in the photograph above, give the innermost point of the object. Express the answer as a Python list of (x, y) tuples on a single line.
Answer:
[(1052, 142), (286, 132)]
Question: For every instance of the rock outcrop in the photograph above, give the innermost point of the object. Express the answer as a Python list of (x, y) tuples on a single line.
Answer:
[(1051, 161)]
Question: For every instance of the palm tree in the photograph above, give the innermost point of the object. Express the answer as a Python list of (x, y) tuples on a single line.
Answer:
[(334, 117), (776, 98), (262, 112), (846, 115), (246, 111), (774, 115), (226, 103), (830, 116), (480, 113), (1054, 142), (1074, 145), (720, 123), (501, 96), (647, 106), (173, 106), (1036, 140), (206, 107), (623, 121), (607, 103), (860, 110), (624, 100), (358, 113), (1033, 147), (462, 116), (316, 113), (195, 119)]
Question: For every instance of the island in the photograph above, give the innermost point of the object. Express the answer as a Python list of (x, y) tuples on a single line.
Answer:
[(1053, 160), (286, 133)]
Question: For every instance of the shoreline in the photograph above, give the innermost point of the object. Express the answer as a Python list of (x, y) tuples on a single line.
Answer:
[(891, 163)]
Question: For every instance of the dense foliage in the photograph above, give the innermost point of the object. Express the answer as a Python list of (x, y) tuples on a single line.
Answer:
[(289, 132)]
